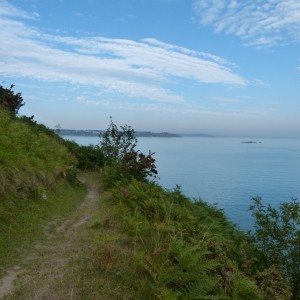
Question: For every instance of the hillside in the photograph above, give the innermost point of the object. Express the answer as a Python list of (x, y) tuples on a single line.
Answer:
[(35, 169)]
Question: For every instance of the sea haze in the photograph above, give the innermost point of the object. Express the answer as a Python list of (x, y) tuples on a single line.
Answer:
[(226, 171)]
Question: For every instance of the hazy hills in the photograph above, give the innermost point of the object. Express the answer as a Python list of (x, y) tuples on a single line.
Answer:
[(75, 132)]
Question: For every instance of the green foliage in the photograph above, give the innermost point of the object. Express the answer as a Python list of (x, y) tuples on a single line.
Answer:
[(112, 174), (35, 174), (272, 284), (116, 142), (24, 221), (245, 289), (28, 120), (89, 158), (30, 160), (277, 234), (10, 101), (119, 149), (138, 165), (183, 249), (180, 249)]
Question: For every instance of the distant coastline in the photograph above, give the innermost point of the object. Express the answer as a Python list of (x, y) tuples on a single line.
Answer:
[(90, 133)]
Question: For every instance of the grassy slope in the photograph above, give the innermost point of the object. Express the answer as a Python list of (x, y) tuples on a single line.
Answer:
[(30, 159), (164, 246), (180, 249), (33, 166)]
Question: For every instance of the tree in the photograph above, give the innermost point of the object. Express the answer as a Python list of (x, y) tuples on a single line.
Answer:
[(10, 101), (115, 143), (119, 147), (277, 234)]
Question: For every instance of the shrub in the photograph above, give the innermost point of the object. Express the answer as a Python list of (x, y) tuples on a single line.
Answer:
[(277, 234), (10, 101), (119, 148), (245, 289), (89, 158), (272, 284)]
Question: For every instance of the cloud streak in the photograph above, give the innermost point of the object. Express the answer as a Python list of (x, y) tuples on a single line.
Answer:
[(182, 109), (6, 9), (147, 69), (262, 24)]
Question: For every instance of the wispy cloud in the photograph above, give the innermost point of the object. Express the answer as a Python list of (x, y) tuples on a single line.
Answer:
[(140, 69), (189, 52), (261, 83), (7, 9), (226, 99), (182, 109), (262, 24)]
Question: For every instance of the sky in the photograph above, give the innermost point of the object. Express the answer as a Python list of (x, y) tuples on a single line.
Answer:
[(221, 67)]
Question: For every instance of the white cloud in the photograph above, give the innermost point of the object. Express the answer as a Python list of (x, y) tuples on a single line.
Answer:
[(157, 59), (189, 52), (144, 69), (226, 99), (261, 83), (6, 9), (183, 109), (260, 23)]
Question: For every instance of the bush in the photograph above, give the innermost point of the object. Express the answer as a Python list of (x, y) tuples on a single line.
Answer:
[(277, 235), (245, 289), (272, 284), (119, 148), (10, 101), (116, 142), (89, 158)]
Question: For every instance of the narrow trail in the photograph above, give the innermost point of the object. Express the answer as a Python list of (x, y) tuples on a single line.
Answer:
[(46, 271)]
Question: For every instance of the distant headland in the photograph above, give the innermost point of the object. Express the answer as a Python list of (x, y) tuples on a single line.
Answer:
[(74, 132)]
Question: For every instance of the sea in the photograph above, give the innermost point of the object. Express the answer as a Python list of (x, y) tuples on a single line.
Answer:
[(226, 172)]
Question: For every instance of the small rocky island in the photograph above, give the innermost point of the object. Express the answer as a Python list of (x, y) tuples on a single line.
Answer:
[(250, 142)]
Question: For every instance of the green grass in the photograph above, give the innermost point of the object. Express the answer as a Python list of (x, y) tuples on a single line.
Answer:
[(30, 220), (35, 167), (74, 262), (30, 159)]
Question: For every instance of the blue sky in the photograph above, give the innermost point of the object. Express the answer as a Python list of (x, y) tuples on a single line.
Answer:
[(223, 67)]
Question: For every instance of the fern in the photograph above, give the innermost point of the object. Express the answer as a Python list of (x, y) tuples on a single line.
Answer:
[(245, 289), (180, 248), (201, 289)]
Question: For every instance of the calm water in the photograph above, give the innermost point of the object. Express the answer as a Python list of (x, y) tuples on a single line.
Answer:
[(226, 171)]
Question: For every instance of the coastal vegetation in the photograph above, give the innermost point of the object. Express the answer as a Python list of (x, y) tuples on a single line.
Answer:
[(145, 242), (188, 249), (36, 176), (277, 235)]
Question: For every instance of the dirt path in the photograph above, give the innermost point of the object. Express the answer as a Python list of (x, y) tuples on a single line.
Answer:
[(49, 271)]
